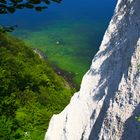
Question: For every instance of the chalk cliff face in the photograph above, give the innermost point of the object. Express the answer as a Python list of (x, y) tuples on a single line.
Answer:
[(109, 99)]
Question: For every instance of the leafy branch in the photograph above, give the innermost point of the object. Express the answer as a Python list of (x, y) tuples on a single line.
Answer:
[(10, 6), (4, 29)]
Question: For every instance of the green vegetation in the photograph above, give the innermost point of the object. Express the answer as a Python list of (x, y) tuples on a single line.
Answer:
[(138, 119), (10, 6), (30, 92)]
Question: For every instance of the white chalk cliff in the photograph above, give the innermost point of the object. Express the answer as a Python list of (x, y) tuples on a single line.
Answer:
[(109, 99)]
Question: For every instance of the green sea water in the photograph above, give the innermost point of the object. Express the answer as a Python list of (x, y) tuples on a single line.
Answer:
[(68, 34), (69, 45)]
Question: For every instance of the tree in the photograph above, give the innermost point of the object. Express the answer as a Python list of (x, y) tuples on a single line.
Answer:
[(10, 6), (30, 91)]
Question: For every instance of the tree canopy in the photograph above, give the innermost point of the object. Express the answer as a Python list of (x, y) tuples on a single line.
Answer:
[(30, 91), (10, 6)]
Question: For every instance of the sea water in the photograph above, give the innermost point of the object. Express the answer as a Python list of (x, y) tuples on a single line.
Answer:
[(69, 33)]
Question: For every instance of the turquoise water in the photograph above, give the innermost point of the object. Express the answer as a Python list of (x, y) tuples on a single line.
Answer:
[(69, 33)]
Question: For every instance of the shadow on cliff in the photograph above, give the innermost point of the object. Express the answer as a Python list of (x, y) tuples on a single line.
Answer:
[(132, 127), (117, 65)]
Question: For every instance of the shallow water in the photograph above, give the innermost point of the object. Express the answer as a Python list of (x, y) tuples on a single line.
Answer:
[(69, 33)]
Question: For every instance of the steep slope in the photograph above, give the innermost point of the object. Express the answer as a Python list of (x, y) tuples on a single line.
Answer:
[(108, 101), (30, 91)]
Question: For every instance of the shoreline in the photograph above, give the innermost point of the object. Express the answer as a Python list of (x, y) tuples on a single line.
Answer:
[(68, 76)]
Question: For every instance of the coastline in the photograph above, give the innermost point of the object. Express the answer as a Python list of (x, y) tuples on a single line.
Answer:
[(68, 76)]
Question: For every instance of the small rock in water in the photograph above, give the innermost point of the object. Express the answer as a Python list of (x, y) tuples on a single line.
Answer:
[(57, 42), (59, 72)]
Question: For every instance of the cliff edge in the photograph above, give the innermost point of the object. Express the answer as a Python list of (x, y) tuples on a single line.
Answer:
[(109, 98)]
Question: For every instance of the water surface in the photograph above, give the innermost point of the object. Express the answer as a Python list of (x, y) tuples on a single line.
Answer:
[(69, 33)]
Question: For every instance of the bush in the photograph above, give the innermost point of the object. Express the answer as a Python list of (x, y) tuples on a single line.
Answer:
[(30, 92)]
